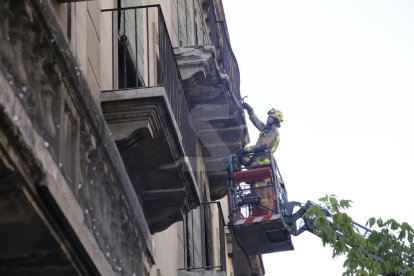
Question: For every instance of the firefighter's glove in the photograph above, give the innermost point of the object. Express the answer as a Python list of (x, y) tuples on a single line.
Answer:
[(243, 151), (247, 107)]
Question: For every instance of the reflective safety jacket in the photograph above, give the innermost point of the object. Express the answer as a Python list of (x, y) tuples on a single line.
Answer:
[(269, 137)]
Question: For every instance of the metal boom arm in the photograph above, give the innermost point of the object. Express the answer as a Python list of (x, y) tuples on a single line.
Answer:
[(308, 223)]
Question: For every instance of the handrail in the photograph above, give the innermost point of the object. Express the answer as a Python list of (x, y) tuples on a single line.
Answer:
[(226, 59), (222, 225)]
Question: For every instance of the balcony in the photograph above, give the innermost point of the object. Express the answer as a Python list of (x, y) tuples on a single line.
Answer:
[(211, 79), (149, 116)]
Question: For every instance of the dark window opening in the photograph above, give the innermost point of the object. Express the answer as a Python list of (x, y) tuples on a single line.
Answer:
[(130, 49), (127, 71)]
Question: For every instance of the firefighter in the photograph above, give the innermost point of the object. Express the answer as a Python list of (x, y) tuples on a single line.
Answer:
[(269, 133), (268, 140)]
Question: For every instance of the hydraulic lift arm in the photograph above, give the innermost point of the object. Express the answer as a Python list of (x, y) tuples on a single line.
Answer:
[(308, 222)]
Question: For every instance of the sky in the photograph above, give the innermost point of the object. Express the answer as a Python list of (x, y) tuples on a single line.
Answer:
[(342, 72)]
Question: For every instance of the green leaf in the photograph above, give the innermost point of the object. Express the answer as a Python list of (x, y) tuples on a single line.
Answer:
[(324, 199), (345, 204), (392, 223), (370, 222), (334, 204), (380, 223)]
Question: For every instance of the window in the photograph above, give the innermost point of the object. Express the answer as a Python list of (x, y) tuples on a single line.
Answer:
[(199, 237), (194, 239), (186, 30)]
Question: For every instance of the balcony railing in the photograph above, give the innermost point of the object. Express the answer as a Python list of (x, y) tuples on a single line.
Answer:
[(201, 227), (227, 60), (143, 58)]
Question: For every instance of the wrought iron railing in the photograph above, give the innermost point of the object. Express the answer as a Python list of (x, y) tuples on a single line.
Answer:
[(230, 66), (226, 58), (144, 57), (205, 231)]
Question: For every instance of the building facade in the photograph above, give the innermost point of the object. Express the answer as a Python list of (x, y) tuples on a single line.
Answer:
[(115, 117)]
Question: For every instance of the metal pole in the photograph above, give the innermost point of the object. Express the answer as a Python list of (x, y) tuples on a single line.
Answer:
[(148, 55), (113, 52), (136, 48), (125, 50)]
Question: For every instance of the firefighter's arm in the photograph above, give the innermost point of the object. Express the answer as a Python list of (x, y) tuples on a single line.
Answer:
[(250, 149), (254, 149), (253, 118)]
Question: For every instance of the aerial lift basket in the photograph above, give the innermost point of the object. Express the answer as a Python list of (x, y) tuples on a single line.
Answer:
[(257, 198)]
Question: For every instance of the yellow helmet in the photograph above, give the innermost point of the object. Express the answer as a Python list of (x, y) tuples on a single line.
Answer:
[(275, 113)]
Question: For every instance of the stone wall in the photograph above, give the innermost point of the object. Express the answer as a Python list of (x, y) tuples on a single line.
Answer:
[(60, 135)]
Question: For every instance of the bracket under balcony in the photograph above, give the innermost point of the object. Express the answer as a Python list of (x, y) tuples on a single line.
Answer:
[(151, 145)]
